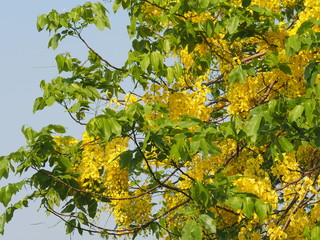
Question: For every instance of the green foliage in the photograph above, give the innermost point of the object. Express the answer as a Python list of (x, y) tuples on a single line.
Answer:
[(275, 125)]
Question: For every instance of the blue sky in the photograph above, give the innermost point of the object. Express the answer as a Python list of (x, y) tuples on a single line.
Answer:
[(25, 61)]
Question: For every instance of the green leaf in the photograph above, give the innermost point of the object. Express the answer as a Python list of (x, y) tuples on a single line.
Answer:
[(116, 5), (237, 75), (285, 68), (257, 9), (5, 196), (66, 162), (191, 231), (60, 60), (190, 28), (53, 42), (187, 211), (166, 46), (28, 133), (248, 206), (309, 113), (8, 191), (155, 60), (188, 124), (306, 232), (53, 198), (272, 60), (145, 62), (233, 24), (175, 8), (200, 194), (285, 144), (262, 209), (75, 107), (235, 202), (293, 45), (4, 167), (315, 233), (246, 3), (205, 4), (92, 208), (209, 27), (2, 223), (104, 127), (39, 104), (154, 227), (305, 26), (82, 218), (116, 128), (100, 23), (294, 42), (50, 100), (208, 223), (310, 74), (10, 210), (170, 74), (132, 28), (178, 70), (317, 90), (41, 22), (69, 208), (295, 113), (252, 126), (54, 19), (57, 128), (208, 146), (70, 226), (195, 143), (125, 159)]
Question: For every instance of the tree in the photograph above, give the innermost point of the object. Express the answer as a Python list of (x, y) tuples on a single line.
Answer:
[(219, 137)]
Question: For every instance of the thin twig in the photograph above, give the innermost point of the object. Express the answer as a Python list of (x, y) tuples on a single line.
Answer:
[(98, 55), (103, 196), (246, 59), (152, 173), (115, 232)]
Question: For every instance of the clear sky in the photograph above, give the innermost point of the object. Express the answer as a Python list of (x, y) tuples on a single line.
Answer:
[(24, 62)]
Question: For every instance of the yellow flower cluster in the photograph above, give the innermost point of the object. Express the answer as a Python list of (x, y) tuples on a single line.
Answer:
[(312, 10), (274, 5), (201, 167), (132, 211), (130, 98), (246, 234), (189, 103), (98, 170), (260, 187), (298, 222), (275, 232), (315, 213), (156, 93), (98, 167), (286, 169), (186, 58), (198, 17), (306, 155), (289, 3), (149, 10), (179, 103), (171, 200), (244, 96)]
